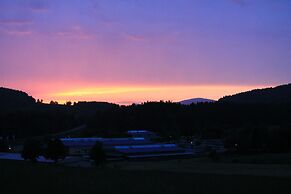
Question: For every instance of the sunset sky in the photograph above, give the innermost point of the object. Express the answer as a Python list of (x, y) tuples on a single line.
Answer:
[(127, 51)]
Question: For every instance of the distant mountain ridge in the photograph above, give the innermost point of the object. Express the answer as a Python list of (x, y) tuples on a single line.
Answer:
[(277, 95), (195, 101)]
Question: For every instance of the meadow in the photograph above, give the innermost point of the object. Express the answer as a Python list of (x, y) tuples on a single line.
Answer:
[(25, 177)]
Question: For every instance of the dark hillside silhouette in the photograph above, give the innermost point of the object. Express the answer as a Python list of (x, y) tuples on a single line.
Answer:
[(253, 126), (22, 116), (13, 98), (277, 95)]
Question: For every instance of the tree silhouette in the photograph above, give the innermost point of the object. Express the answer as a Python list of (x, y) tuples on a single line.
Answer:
[(39, 101), (213, 156), (53, 102), (3, 146), (31, 150), (246, 124), (55, 150), (97, 154)]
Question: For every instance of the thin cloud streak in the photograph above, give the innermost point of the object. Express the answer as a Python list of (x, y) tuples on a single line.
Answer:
[(73, 35), (40, 9), (39, 6), (17, 32), (135, 37), (15, 22), (76, 32)]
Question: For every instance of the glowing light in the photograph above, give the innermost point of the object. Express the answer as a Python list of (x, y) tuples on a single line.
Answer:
[(137, 94), (63, 91)]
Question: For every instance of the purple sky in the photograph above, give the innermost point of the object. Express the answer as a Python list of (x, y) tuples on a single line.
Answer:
[(67, 45)]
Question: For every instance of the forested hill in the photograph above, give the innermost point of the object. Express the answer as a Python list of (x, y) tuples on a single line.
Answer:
[(277, 95), (22, 116), (10, 98), (253, 125)]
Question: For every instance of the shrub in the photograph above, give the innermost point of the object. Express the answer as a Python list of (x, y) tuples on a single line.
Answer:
[(31, 150), (55, 150), (235, 160), (3, 146), (212, 154), (97, 154)]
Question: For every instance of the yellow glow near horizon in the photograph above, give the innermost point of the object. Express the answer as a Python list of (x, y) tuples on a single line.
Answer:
[(100, 91), (137, 94)]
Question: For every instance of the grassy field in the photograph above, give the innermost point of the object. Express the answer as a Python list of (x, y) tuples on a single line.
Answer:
[(258, 158), (192, 166), (23, 177)]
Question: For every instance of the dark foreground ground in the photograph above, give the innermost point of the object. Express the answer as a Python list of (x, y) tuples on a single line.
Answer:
[(23, 177)]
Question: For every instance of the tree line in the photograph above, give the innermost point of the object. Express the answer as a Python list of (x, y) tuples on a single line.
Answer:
[(55, 150), (245, 119)]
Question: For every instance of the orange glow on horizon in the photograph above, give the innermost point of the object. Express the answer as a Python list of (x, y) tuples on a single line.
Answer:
[(63, 91), (137, 94)]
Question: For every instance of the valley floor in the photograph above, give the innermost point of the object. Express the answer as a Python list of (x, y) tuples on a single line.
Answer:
[(173, 176)]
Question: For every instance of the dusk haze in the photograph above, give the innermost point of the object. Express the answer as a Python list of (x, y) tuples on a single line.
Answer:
[(131, 51), (145, 96)]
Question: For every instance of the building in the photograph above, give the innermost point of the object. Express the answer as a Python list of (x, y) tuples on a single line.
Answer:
[(153, 151), (136, 147), (201, 146), (82, 146), (142, 133)]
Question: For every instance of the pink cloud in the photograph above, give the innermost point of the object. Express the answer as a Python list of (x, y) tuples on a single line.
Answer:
[(39, 6), (135, 37), (15, 22), (68, 34), (239, 2), (108, 22), (63, 34), (40, 9), (76, 32), (17, 32)]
